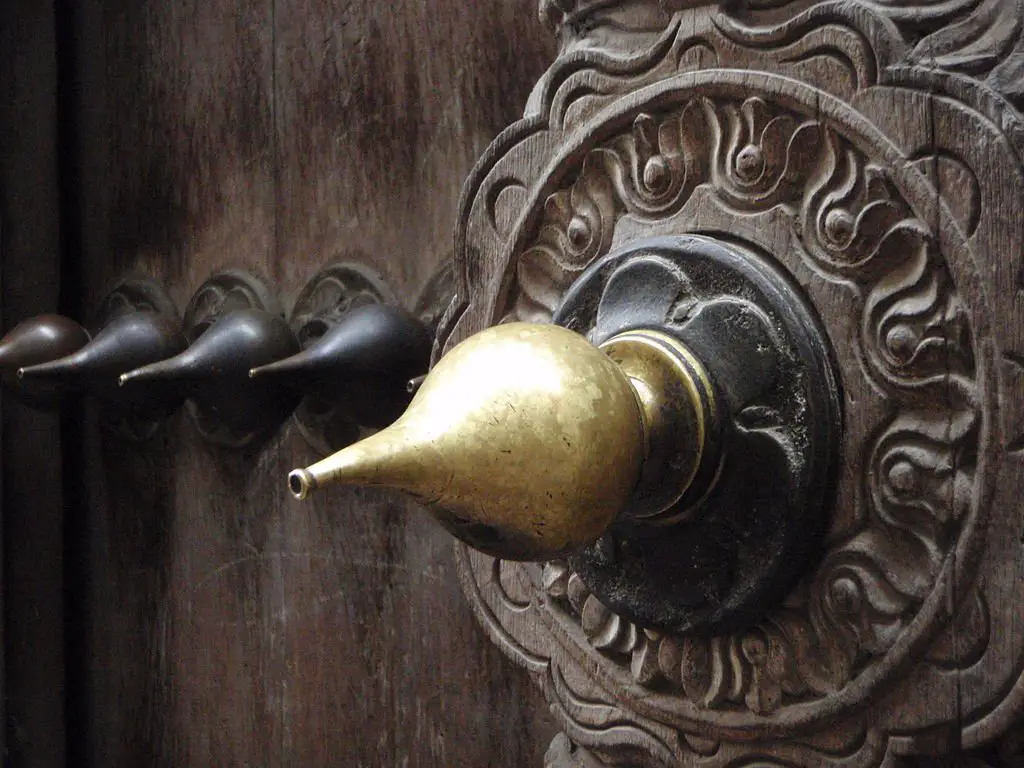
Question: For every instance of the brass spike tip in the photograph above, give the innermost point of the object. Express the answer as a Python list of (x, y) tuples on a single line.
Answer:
[(277, 368), (301, 482), (55, 369), (138, 373)]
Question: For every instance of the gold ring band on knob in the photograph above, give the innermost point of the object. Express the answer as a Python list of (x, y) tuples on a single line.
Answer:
[(679, 409)]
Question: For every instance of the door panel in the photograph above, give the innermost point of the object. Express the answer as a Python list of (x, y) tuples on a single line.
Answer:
[(166, 601), (224, 625)]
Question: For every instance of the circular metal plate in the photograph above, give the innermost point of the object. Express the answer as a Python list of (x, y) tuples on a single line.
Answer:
[(730, 558)]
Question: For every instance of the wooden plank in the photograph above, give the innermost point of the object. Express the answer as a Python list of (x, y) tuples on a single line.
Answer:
[(382, 108), (33, 659), (177, 183), (225, 625)]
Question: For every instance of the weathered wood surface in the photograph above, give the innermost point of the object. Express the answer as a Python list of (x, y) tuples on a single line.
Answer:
[(33, 605), (224, 623), (212, 621)]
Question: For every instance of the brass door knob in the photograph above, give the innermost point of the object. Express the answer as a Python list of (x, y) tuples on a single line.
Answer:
[(527, 441), (681, 457)]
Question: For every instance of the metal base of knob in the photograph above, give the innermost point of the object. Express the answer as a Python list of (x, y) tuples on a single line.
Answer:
[(731, 546), (681, 423)]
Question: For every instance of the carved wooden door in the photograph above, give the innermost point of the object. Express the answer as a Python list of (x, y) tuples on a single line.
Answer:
[(168, 603), (205, 621)]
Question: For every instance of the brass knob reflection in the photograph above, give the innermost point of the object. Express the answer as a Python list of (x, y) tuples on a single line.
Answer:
[(527, 441)]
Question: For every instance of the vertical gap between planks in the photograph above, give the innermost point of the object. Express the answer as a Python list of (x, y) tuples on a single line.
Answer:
[(68, 18)]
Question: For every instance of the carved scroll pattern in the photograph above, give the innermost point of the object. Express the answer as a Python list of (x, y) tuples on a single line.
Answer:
[(983, 39), (915, 346), (927, 477), (843, 47)]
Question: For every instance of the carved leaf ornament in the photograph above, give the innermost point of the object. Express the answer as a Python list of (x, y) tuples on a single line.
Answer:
[(856, 145)]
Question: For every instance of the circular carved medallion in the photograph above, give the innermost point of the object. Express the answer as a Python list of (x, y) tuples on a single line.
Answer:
[(720, 557), (788, 172)]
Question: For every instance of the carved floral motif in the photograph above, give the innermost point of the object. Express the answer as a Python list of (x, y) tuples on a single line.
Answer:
[(915, 343), (874, 214)]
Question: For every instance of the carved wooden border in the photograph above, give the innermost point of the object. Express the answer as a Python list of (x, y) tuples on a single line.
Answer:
[(875, 136)]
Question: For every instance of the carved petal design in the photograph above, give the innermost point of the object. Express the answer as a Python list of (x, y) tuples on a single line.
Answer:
[(980, 38), (621, 142)]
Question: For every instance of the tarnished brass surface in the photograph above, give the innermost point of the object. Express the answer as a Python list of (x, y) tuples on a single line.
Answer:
[(526, 441), (680, 414)]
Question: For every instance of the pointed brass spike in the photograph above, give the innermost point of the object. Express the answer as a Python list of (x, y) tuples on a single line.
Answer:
[(127, 341), (214, 370), (361, 364), (39, 340), (33, 341), (526, 441), (228, 349)]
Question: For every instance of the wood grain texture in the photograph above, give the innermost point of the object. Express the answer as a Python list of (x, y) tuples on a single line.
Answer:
[(33, 656), (224, 623), (218, 623)]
